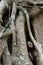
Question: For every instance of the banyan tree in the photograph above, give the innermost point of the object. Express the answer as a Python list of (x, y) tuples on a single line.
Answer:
[(21, 32)]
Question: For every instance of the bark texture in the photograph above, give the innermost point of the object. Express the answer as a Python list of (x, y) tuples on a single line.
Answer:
[(21, 41), (21, 36)]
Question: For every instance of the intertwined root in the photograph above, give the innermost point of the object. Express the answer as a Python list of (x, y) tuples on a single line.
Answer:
[(6, 57), (4, 5), (21, 41), (19, 55)]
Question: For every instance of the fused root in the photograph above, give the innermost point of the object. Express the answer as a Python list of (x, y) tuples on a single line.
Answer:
[(22, 48)]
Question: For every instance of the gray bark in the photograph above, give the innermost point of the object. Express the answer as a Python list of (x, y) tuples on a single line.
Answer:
[(21, 41)]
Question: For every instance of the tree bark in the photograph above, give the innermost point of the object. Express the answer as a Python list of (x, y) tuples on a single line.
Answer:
[(21, 41)]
